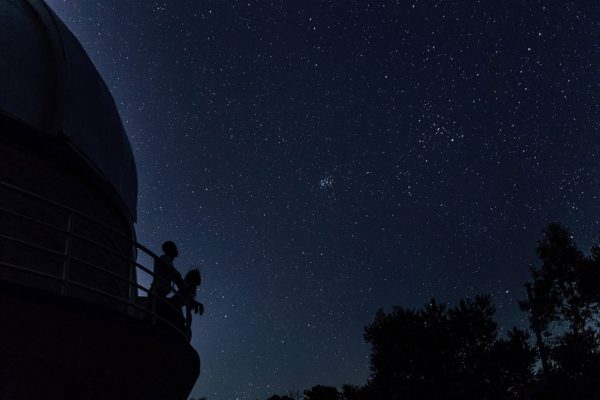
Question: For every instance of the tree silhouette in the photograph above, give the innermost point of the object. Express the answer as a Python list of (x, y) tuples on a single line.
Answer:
[(439, 353), (277, 397), (322, 393), (563, 307), (560, 292), (352, 392)]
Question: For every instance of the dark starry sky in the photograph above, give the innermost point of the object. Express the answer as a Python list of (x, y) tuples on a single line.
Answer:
[(321, 160)]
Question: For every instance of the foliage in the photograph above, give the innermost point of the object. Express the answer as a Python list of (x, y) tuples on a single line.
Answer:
[(564, 307), (352, 392), (564, 288), (284, 397), (322, 393), (446, 353)]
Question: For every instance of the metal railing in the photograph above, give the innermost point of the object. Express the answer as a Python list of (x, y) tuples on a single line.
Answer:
[(159, 308)]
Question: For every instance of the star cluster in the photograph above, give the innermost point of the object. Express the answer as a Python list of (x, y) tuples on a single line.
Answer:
[(323, 159)]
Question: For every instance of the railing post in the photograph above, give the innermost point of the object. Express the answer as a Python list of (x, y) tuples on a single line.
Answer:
[(132, 276), (154, 298), (63, 279), (67, 260), (132, 280)]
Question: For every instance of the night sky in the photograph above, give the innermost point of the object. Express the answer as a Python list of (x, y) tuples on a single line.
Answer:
[(322, 160)]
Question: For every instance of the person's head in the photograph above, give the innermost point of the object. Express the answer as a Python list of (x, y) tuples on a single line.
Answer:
[(193, 278), (170, 249)]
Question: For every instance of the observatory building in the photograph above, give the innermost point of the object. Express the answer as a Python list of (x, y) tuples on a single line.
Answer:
[(74, 323)]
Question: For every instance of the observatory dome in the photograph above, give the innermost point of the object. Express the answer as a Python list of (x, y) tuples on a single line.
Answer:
[(48, 82)]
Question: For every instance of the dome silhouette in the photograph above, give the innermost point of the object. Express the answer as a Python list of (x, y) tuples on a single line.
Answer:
[(48, 82), (76, 320)]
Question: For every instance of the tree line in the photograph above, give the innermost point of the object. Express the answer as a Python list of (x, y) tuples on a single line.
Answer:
[(441, 352)]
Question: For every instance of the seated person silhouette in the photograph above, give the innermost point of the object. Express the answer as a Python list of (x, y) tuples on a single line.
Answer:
[(186, 295), (165, 275)]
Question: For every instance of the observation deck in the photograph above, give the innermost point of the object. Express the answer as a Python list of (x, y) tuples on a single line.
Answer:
[(66, 335), (74, 281)]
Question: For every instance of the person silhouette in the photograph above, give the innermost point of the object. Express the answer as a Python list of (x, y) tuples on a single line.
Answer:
[(186, 296), (165, 274)]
